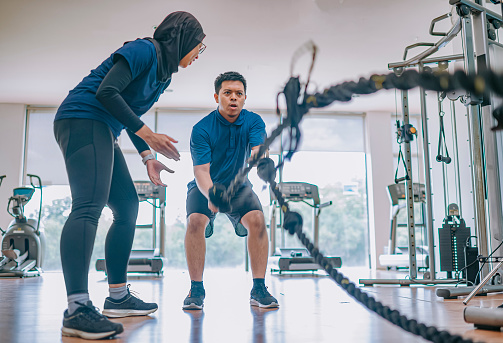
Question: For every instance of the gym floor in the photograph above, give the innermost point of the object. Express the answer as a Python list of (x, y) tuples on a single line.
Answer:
[(313, 309)]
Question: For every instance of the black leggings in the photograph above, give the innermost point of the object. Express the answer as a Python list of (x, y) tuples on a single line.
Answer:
[(98, 176)]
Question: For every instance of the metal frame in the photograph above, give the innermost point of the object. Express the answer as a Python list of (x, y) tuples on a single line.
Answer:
[(485, 176), (487, 187)]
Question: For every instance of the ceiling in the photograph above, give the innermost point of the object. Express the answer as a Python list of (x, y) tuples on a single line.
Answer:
[(47, 47)]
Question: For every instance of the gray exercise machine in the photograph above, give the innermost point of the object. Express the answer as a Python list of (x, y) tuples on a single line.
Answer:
[(148, 260), (297, 259), (23, 243)]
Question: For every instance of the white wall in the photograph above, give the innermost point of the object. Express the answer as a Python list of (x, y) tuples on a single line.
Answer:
[(12, 119), (380, 175)]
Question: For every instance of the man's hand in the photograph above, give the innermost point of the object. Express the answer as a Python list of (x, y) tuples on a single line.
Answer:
[(217, 197), (161, 143), (254, 153), (154, 169), (212, 207)]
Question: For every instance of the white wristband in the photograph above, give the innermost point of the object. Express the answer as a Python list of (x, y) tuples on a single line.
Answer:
[(148, 157)]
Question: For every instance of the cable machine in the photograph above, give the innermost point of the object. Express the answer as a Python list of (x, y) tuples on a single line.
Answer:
[(477, 25)]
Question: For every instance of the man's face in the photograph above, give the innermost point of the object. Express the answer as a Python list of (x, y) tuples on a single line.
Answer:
[(231, 99)]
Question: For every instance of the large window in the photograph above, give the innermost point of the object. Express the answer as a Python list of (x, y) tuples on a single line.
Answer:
[(331, 156)]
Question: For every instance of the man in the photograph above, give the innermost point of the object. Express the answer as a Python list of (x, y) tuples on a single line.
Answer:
[(220, 145)]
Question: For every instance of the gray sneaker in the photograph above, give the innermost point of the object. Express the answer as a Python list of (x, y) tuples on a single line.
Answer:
[(88, 323), (128, 306), (195, 299), (260, 296)]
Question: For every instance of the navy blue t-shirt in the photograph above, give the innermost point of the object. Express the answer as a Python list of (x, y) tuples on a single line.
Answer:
[(141, 94), (225, 146)]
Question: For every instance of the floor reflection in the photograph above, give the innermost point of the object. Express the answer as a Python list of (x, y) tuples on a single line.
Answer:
[(196, 325), (259, 316)]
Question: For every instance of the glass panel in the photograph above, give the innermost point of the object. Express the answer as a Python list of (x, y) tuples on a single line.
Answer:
[(43, 156), (332, 133), (136, 167), (271, 121), (341, 179), (178, 125), (125, 142), (56, 205)]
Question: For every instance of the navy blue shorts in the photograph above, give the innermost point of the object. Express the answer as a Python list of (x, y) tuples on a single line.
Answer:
[(244, 201)]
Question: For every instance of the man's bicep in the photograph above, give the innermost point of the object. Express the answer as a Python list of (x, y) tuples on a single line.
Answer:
[(257, 133), (201, 169), (200, 148)]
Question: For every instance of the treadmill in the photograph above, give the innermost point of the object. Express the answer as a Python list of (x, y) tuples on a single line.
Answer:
[(148, 260), (297, 259)]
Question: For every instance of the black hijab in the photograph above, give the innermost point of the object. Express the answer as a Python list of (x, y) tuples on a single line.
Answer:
[(175, 37)]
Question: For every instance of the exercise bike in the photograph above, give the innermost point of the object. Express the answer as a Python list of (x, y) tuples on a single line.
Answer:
[(23, 242)]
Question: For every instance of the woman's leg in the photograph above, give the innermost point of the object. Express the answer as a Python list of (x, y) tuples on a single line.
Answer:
[(87, 147), (123, 201)]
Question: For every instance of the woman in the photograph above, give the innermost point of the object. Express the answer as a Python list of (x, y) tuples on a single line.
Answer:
[(112, 98)]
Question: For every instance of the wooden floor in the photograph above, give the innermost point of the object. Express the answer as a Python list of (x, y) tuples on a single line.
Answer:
[(313, 309)]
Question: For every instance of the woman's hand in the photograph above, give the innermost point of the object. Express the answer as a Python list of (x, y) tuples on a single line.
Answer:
[(161, 143), (154, 169)]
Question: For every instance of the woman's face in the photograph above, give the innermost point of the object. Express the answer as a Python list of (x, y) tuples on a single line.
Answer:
[(191, 56)]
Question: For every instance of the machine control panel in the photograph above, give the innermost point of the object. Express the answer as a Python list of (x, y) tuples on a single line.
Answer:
[(397, 192), (298, 191), (147, 190)]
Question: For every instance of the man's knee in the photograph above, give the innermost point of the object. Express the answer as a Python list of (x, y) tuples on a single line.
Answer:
[(255, 223), (196, 223)]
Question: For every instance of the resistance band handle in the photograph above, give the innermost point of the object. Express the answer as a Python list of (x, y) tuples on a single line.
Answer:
[(445, 159), (406, 177)]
